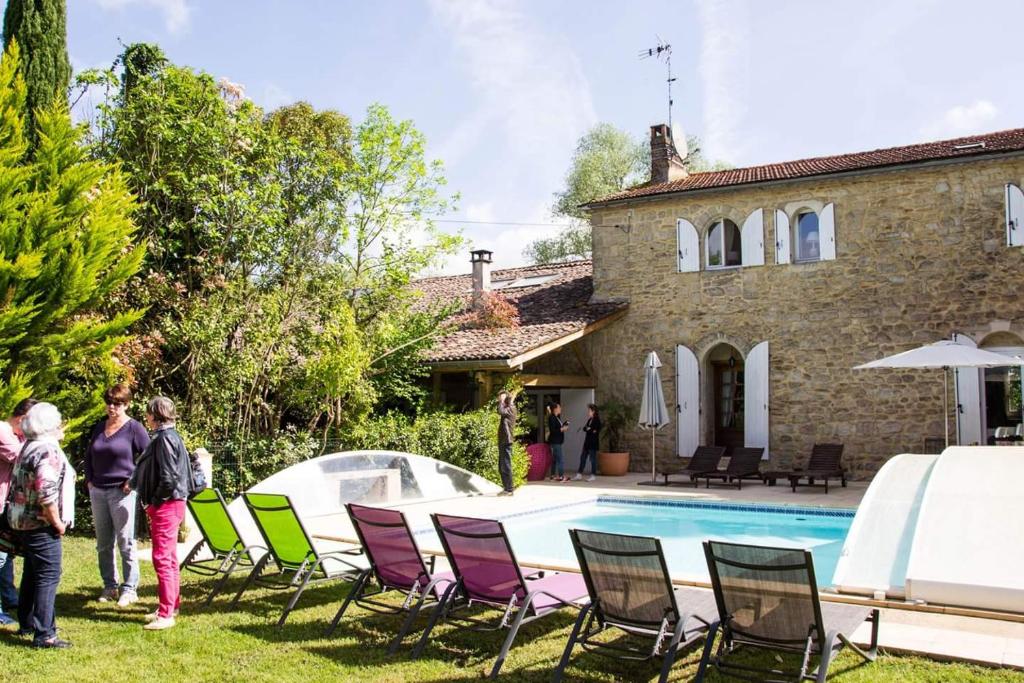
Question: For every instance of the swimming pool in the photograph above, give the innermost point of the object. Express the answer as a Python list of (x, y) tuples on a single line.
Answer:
[(542, 536)]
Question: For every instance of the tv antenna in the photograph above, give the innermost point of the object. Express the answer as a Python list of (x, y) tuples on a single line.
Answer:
[(662, 51)]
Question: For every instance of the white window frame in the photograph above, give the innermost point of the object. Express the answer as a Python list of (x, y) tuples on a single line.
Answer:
[(795, 236), (707, 244)]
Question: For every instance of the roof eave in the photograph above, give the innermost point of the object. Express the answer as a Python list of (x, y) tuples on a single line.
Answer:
[(599, 204)]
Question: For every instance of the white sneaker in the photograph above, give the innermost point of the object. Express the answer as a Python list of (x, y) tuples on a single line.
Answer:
[(591, 478), (108, 595), (159, 624), (577, 477), (127, 599), (153, 616)]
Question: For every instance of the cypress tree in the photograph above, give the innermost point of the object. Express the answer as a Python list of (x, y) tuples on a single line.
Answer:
[(40, 27), (65, 251)]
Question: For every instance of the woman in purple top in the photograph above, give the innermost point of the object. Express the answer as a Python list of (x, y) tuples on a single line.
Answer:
[(114, 446)]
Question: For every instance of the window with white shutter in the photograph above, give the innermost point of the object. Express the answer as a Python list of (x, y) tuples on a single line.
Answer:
[(753, 239), (827, 232), (687, 246), (781, 237), (1014, 216)]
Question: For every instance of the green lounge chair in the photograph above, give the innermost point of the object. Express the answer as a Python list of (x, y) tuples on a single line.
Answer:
[(220, 535), (291, 549)]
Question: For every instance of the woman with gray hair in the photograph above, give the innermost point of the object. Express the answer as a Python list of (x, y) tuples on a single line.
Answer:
[(41, 508), (162, 478)]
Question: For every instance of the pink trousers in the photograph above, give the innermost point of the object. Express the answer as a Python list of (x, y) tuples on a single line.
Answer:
[(164, 520)]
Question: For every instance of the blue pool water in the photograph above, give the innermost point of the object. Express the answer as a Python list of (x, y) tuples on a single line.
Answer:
[(682, 526)]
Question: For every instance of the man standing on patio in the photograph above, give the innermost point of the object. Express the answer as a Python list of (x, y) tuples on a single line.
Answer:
[(506, 434)]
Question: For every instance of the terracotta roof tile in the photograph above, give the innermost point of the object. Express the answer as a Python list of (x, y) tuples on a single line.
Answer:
[(972, 146), (547, 311)]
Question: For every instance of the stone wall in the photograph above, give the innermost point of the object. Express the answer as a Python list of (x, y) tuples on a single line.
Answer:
[(921, 253)]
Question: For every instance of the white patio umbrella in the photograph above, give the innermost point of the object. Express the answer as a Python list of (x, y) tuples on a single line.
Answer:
[(653, 412), (944, 354)]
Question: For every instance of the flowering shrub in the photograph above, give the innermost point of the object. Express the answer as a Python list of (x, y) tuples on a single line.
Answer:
[(495, 312)]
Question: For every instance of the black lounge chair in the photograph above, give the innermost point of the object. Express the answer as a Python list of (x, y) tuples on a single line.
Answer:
[(705, 459), (826, 463), (768, 599), (630, 590), (744, 463)]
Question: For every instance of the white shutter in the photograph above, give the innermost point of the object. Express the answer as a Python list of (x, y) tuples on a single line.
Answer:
[(827, 232), (1014, 216), (687, 246), (755, 406), (781, 237), (687, 402), (752, 237), (968, 400)]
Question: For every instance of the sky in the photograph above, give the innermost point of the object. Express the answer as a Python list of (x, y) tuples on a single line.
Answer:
[(503, 89)]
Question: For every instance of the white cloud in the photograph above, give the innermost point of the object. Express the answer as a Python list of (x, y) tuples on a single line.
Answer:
[(274, 96), (723, 68), (530, 84), (176, 12), (961, 120)]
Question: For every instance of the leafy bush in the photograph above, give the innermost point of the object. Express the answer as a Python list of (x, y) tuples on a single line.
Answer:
[(467, 440), (238, 465)]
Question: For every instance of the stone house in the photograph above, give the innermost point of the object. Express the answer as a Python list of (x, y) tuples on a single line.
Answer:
[(547, 347), (761, 288)]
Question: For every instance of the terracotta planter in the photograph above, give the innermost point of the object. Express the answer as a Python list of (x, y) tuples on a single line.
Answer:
[(612, 464)]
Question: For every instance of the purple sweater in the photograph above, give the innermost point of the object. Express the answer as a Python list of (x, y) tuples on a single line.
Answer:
[(110, 461)]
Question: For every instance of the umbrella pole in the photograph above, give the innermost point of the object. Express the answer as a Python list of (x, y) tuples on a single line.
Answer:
[(654, 476), (945, 403)]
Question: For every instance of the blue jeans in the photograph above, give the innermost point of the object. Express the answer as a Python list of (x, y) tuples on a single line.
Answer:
[(556, 460), (8, 593), (591, 454), (113, 513), (40, 574)]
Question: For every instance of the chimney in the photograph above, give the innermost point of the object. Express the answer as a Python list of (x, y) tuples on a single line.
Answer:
[(481, 260), (666, 162)]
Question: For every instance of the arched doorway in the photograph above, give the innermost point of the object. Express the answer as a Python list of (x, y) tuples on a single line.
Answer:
[(726, 394), (1002, 387)]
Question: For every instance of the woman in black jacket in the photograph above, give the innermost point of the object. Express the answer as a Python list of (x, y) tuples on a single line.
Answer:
[(162, 478), (591, 437)]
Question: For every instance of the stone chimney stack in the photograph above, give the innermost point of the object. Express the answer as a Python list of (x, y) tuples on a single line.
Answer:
[(667, 163), (481, 260)]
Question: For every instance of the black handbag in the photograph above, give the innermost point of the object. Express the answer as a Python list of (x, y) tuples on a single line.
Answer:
[(196, 477), (10, 543)]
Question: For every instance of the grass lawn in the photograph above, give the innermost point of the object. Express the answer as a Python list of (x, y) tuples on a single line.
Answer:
[(218, 644)]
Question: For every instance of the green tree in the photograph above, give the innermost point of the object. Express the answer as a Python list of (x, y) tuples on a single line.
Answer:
[(40, 29), (66, 239), (606, 160)]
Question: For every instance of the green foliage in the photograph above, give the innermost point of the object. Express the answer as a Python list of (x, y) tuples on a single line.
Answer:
[(466, 440), (39, 27), (616, 418), (281, 250), (66, 249), (240, 464), (607, 160)]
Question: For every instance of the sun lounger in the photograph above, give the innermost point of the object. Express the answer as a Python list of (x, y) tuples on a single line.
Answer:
[(291, 550), (396, 564), (488, 575), (744, 463), (826, 463), (705, 459), (630, 590), (221, 538), (768, 598)]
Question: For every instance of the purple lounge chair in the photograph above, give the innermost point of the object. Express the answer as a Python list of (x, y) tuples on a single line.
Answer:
[(396, 564), (487, 574)]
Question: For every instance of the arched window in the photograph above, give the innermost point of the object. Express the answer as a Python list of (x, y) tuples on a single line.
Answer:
[(724, 246), (807, 236)]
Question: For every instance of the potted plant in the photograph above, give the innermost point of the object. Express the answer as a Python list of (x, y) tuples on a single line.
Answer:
[(615, 418)]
